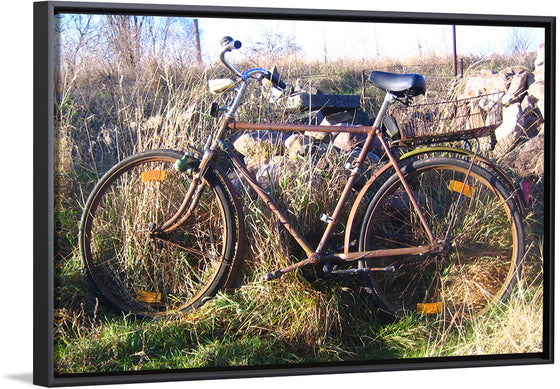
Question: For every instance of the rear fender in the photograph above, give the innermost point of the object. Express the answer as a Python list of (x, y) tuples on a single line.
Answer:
[(354, 217), (503, 177)]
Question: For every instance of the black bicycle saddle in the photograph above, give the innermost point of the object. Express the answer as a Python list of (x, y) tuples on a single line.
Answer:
[(400, 85)]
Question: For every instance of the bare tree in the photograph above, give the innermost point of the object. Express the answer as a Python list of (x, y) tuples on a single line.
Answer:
[(197, 42), (75, 34), (124, 35), (519, 40), (78, 31), (158, 35), (182, 49), (273, 43)]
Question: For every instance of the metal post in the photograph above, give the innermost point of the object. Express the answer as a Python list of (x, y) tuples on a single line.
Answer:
[(454, 51), (197, 42)]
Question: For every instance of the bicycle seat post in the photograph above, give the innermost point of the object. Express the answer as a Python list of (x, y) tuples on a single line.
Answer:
[(388, 100)]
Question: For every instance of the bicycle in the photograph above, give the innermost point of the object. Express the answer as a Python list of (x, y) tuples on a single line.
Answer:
[(163, 231)]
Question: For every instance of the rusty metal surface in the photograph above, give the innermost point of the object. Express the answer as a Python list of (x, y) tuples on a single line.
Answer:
[(406, 187), (297, 127), (450, 120), (316, 256), (386, 252), (346, 192), (313, 258), (357, 201), (270, 203), (241, 249)]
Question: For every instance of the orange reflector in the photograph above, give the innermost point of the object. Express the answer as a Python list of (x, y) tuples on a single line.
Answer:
[(149, 297), (459, 186), (153, 175), (429, 308)]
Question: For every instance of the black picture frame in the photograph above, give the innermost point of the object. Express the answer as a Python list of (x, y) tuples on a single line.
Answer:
[(43, 250)]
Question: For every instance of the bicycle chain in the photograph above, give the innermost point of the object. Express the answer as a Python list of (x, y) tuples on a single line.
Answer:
[(418, 262)]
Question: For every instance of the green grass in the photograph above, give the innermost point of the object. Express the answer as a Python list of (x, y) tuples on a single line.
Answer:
[(253, 326), (285, 322)]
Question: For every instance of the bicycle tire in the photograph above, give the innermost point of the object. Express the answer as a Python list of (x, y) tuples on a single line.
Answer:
[(495, 170), (138, 272), (486, 242)]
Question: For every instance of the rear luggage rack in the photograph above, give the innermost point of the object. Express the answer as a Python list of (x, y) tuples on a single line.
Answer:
[(448, 121)]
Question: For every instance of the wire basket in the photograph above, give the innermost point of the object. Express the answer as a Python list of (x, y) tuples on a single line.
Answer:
[(449, 121)]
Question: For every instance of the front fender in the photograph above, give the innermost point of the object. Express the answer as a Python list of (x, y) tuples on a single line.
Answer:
[(241, 249), (193, 161)]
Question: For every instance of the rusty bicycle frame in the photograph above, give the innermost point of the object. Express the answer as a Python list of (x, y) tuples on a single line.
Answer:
[(317, 255), (313, 255)]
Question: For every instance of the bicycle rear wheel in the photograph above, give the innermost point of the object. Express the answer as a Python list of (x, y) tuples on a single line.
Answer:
[(135, 266), (464, 206)]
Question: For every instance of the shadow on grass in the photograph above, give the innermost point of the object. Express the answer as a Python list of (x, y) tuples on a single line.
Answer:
[(232, 329)]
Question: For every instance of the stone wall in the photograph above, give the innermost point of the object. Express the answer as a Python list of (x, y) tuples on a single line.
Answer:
[(520, 137)]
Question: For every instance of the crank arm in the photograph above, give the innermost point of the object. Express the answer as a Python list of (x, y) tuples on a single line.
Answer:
[(313, 258)]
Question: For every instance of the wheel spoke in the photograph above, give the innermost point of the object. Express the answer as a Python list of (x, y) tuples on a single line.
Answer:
[(471, 213), (186, 249), (140, 268)]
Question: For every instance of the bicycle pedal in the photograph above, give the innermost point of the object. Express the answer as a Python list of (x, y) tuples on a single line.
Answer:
[(272, 276)]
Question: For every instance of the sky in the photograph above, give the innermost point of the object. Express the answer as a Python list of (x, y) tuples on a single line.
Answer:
[(365, 40), (335, 40)]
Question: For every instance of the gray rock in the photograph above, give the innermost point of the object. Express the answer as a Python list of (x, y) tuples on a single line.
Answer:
[(295, 142), (483, 83), (510, 129), (509, 126), (337, 118), (311, 117), (539, 61), (536, 91), (347, 141), (262, 143), (516, 90), (527, 159), (319, 136)]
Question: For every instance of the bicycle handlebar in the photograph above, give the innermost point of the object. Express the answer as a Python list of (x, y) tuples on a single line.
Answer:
[(229, 44), (276, 81)]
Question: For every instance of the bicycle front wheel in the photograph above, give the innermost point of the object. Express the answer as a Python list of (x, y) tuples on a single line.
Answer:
[(469, 210), (141, 270)]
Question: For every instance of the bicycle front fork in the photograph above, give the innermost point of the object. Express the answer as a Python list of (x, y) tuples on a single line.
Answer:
[(197, 171)]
